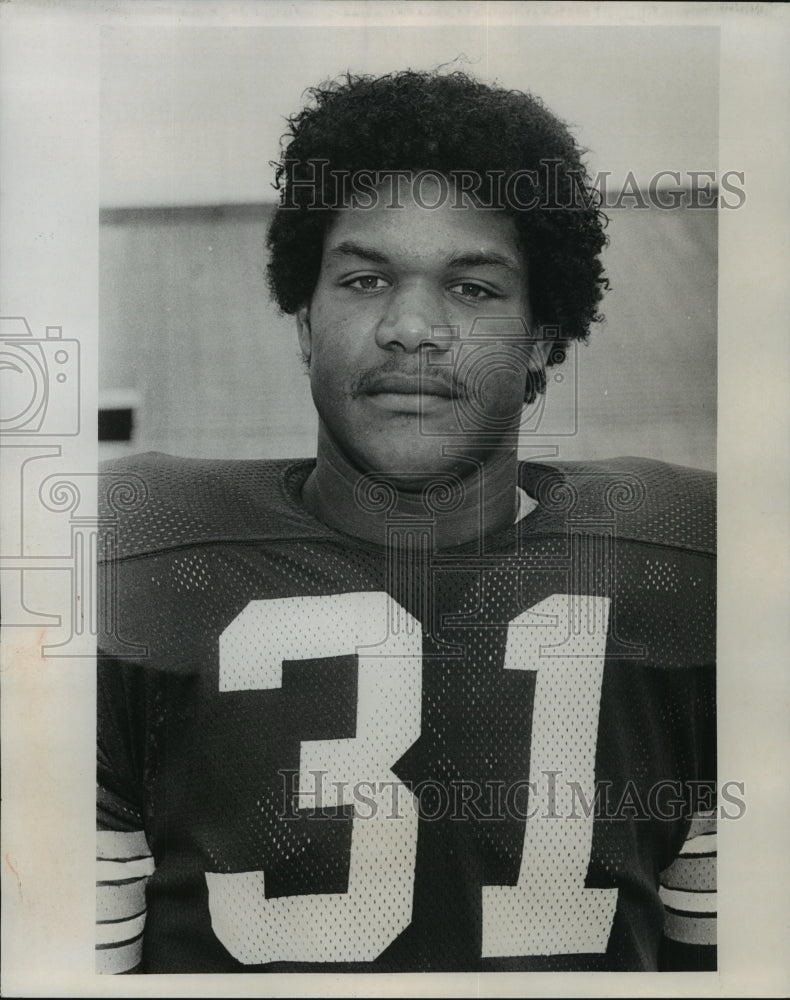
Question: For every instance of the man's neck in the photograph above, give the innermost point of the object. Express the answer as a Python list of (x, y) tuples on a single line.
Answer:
[(365, 505)]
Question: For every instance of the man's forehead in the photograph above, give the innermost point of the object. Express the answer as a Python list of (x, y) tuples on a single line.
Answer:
[(405, 218), (371, 252)]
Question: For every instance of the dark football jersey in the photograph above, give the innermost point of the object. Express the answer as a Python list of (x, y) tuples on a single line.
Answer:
[(319, 754)]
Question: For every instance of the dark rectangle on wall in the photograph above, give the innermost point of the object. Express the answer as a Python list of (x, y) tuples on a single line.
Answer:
[(116, 424)]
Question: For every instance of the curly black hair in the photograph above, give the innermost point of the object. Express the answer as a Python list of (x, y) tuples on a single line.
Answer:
[(446, 123)]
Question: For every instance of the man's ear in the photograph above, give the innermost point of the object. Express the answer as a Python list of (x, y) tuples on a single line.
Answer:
[(304, 332), (539, 349), (539, 353)]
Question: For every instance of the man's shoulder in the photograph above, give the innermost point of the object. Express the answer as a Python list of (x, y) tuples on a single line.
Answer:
[(636, 499), (157, 502)]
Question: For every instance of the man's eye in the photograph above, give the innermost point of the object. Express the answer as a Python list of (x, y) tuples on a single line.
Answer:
[(471, 290), (367, 283)]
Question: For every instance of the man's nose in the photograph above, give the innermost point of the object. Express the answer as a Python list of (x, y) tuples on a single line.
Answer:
[(415, 318)]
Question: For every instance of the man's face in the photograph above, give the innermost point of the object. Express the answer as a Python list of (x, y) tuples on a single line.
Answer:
[(417, 336)]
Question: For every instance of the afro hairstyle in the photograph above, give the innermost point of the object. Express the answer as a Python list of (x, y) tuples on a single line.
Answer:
[(444, 123)]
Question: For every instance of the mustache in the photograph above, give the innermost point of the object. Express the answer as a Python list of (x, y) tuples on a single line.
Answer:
[(434, 379)]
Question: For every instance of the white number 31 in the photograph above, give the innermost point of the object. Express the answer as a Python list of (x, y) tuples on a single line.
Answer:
[(548, 911)]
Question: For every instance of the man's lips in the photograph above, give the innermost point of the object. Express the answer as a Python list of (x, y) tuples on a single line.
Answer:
[(400, 384)]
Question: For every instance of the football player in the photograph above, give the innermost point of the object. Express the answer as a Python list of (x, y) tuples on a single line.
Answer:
[(412, 705)]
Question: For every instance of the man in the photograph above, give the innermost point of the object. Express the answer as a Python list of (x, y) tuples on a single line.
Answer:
[(413, 706)]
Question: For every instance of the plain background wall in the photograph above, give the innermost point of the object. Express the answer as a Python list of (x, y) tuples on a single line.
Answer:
[(190, 119), (192, 115)]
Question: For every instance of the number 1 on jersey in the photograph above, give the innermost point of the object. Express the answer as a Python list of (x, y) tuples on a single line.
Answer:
[(549, 911)]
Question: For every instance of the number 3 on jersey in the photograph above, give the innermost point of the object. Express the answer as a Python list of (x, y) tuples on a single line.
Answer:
[(548, 911)]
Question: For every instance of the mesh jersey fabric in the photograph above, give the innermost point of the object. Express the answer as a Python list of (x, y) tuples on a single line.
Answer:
[(317, 754)]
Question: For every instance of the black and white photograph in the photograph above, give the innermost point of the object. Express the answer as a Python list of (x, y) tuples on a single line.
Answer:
[(367, 459)]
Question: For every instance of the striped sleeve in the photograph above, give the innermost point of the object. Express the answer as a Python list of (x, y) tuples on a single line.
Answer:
[(124, 865), (688, 891)]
